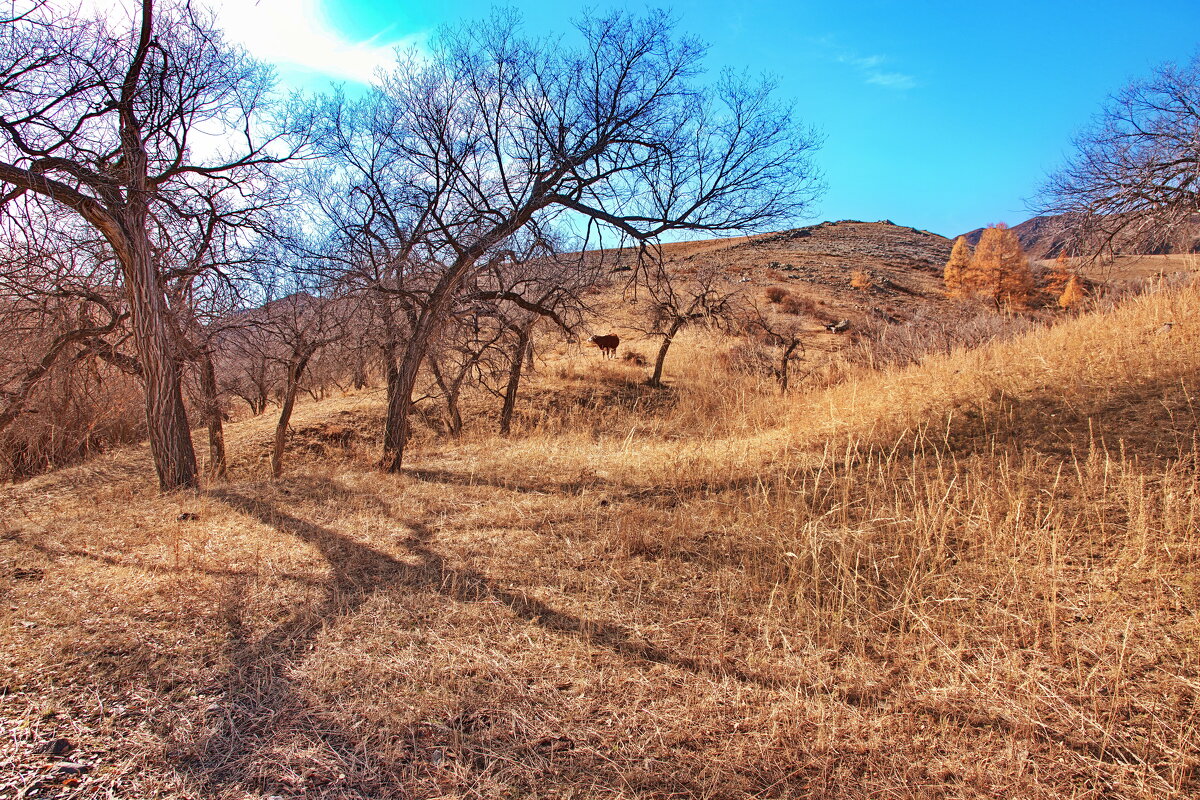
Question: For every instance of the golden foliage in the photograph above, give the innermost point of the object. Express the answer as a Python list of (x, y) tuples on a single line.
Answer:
[(960, 261), (1072, 294), (861, 280), (999, 269)]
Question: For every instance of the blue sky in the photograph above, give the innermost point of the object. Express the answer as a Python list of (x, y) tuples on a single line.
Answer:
[(940, 115)]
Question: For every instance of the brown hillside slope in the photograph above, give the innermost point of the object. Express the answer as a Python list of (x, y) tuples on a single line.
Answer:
[(904, 266), (972, 578)]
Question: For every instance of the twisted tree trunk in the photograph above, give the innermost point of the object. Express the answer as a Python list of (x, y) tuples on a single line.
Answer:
[(166, 415), (514, 379)]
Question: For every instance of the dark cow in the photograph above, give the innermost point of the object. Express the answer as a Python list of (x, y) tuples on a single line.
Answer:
[(607, 344)]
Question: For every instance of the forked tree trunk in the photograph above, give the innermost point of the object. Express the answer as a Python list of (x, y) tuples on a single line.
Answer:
[(397, 426), (217, 468), (514, 379), (295, 372), (661, 358)]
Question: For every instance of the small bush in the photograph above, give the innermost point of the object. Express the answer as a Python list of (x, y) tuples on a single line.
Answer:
[(777, 294), (748, 357), (861, 280), (798, 306)]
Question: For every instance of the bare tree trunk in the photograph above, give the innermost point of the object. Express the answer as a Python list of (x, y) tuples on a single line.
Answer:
[(398, 426), (784, 363), (656, 378), (166, 416), (360, 372), (295, 371), (514, 379), (217, 468), (450, 391)]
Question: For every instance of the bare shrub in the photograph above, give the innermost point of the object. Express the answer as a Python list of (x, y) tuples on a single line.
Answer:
[(861, 280), (798, 306), (776, 294), (748, 356), (82, 408)]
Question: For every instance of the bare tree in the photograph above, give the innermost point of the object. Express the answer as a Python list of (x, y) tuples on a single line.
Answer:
[(492, 133), (248, 366), (105, 123), (677, 300), (301, 323), (55, 302), (785, 335), (1134, 178)]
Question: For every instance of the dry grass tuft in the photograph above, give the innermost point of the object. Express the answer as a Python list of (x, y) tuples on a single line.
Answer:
[(975, 576)]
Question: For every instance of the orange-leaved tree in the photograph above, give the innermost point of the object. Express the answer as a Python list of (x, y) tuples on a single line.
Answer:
[(956, 268), (1060, 274), (1000, 270), (1072, 294)]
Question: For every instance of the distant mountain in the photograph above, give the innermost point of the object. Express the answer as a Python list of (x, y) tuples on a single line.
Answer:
[(1042, 237), (1045, 237)]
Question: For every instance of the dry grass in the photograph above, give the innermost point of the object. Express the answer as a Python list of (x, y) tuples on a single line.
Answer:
[(1133, 267), (973, 577)]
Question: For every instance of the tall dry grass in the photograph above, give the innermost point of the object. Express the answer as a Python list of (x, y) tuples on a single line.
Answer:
[(973, 577)]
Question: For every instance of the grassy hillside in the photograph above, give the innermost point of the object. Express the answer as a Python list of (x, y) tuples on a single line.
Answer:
[(973, 577), (902, 265)]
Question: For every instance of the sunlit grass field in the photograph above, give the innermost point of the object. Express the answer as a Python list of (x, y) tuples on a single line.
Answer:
[(974, 577)]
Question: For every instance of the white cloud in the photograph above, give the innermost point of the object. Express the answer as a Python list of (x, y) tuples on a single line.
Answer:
[(892, 80), (295, 36), (870, 68)]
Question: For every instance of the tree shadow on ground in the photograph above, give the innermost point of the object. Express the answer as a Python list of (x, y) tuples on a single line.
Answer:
[(607, 490), (262, 707)]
